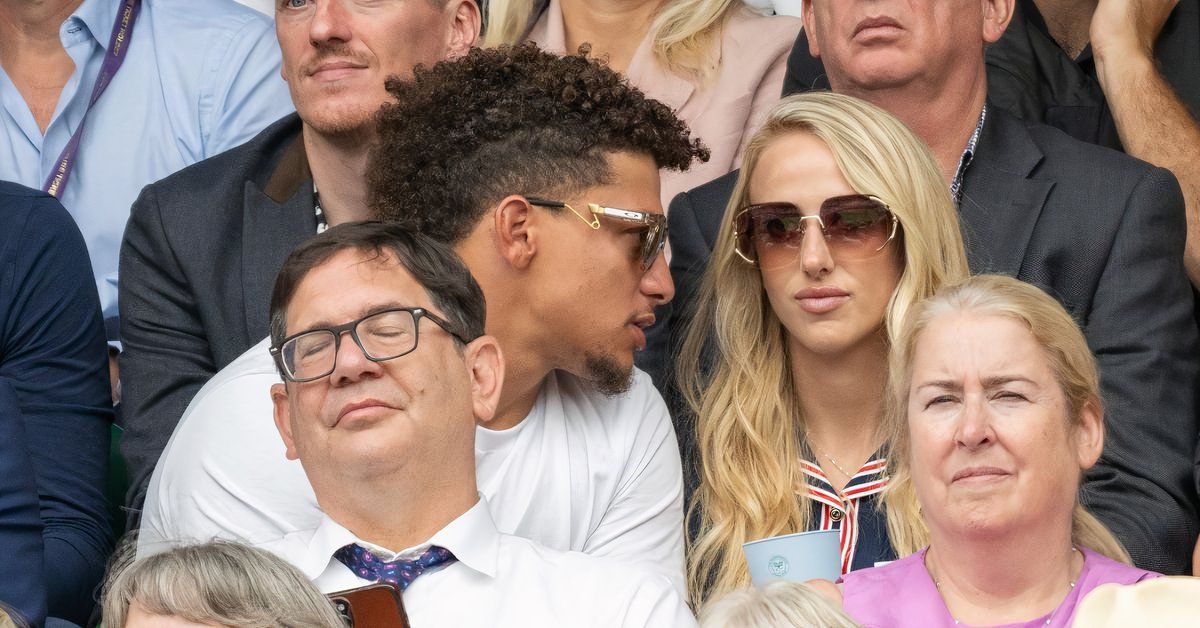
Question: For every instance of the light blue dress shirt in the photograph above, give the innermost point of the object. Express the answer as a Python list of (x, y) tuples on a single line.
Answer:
[(199, 78)]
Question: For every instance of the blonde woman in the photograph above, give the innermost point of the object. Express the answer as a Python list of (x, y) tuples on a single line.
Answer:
[(839, 223), (718, 64), (996, 417), (213, 584)]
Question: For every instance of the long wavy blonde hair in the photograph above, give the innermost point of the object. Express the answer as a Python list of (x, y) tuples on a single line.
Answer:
[(685, 32), (749, 428), (1070, 360)]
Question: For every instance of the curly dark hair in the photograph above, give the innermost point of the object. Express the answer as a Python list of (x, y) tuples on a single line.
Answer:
[(509, 120)]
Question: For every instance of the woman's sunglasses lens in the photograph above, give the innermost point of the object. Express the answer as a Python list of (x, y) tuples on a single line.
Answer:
[(855, 227)]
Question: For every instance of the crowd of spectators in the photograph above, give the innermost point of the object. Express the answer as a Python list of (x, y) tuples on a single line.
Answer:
[(534, 312)]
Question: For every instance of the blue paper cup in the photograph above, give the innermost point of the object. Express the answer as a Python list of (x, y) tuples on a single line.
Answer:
[(795, 557)]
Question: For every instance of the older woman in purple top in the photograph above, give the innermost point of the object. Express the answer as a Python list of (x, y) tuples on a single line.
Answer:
[(996, 416)]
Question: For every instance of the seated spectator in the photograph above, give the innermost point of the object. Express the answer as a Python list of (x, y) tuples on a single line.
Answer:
[(997, 415), (204, 245), (214, 584), (55, 413), (1122, 74), (840, 223), (778, 605), (566, 241), (379, 335), (1073, 218), (714, 62), (186, 85)]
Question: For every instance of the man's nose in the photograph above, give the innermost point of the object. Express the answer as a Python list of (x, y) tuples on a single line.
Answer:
[(329, 24), (656, 282), (351, 363)]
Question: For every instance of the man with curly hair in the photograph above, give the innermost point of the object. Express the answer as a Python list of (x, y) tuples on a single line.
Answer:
[(543, 173)]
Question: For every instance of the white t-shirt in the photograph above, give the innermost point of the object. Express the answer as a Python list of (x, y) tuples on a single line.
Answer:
[(502, 580), (582, 471)]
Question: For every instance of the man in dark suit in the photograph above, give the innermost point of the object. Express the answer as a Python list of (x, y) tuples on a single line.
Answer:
[(1122, 73), (203, 246), (1102, 231)]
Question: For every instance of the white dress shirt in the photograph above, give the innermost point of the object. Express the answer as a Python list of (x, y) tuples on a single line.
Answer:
[(503, 580), (582, 471)]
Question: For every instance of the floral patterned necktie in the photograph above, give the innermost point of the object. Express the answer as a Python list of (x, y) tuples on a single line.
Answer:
[(401, 572)]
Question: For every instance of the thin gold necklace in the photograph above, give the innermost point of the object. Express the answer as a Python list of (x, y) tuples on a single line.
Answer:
[(937, 584), (821, 452)]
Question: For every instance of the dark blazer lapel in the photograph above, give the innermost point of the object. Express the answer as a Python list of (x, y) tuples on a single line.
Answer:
[(277, 218), (1001, 202)]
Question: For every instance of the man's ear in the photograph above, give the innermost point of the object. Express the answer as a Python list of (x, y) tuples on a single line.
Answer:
[(515, 239), (283, 418), (486, 364), (810, 30), (464, 27), (996, 16), (1089, 434)]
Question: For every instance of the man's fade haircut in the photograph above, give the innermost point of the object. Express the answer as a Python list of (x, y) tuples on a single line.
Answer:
[(432, 264), (468, 132)]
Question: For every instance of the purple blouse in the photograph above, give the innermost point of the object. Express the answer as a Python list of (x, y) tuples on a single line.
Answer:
[(902, 593)]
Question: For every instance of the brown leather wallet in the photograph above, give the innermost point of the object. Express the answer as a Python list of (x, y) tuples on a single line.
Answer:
[(376, 605)]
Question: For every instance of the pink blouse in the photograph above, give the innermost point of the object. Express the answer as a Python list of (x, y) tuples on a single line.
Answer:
[(902, 593)]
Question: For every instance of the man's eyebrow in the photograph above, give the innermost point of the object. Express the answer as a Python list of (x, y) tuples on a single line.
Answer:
[(366, 311)]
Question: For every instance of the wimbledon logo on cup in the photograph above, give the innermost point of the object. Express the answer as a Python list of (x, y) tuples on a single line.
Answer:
[(778, 566)]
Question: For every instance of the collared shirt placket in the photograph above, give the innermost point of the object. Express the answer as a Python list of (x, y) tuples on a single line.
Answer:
[(841, 512), (964, 161)]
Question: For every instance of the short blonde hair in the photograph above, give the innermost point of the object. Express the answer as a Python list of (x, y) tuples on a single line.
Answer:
[(220, 582), (780, 604), (1067, 353)]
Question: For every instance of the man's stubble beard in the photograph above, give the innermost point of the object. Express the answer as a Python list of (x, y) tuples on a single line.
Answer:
[(606, 375)]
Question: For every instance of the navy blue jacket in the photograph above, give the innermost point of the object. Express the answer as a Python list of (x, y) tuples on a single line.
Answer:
[(55, 413)]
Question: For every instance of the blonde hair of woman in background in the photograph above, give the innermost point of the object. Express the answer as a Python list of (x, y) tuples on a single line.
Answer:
[(217, 583), (778, 605), (1070, 359), (685, 32), (750, 430)]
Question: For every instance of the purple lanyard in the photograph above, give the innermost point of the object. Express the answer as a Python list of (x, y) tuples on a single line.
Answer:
[(114, 56)]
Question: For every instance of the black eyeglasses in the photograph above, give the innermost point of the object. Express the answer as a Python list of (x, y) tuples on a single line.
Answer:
[(652, 239), (311, 355)]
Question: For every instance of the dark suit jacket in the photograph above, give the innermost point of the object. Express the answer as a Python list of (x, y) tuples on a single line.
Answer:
[(55, 413), (1103, 233), (198, 263)]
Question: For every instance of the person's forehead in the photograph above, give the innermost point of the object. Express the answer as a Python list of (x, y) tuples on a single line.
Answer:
[(634, 183), (978, 344), (349, 285)]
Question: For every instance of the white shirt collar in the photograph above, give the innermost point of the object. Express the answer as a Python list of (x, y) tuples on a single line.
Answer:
[(472, 537)]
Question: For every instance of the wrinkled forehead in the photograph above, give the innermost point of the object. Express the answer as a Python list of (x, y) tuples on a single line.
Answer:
[(349, 285)]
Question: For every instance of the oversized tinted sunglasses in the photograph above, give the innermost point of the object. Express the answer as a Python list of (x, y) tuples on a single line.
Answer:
[(856, 226), (651, 239), (386, 335)]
